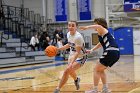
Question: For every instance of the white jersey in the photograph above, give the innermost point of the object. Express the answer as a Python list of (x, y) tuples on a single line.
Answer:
[(34, 41), (76, 40)]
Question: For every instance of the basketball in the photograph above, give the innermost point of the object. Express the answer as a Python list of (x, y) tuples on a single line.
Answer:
[(51, 51)]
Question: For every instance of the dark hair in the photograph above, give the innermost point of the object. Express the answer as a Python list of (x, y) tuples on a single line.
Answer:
[(101, 21), (74, 22)]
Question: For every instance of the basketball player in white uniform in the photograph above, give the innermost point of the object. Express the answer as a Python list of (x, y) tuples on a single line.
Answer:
[(76, 58)]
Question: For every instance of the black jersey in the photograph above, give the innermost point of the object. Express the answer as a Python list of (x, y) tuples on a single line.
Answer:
[(111, 52), (107, 41)]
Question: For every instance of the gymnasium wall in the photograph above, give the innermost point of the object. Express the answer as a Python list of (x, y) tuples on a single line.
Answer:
[(88, 33), (16, 3), (97, 10), (72, 8), (124, 38), (136, 39), (97, 7), (33, 5), (50, 9), (128, 39)]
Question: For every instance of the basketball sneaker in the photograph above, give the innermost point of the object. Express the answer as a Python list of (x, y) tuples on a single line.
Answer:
[(56, 91), (77, 83), (105, 90), (92, 91)]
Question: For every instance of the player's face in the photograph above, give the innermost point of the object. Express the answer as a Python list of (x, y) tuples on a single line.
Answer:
[(72, 27)]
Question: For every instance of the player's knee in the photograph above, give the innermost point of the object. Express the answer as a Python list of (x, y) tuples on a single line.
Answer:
[(67, 71), (98, 69), (71, 69)]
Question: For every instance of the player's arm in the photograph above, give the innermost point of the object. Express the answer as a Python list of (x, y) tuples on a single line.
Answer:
[(96, 47), (78, 46), (76, 54), (90, 27), (64, 47), (99, 27)]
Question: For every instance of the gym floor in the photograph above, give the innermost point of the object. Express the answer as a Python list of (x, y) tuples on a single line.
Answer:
[(123, 77)]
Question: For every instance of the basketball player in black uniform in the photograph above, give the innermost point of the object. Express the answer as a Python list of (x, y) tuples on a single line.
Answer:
[(110, 55)]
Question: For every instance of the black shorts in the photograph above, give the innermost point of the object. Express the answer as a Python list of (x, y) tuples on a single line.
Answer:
[(109, 57)]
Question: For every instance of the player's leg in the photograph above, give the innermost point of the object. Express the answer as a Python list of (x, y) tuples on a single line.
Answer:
[(103, 79), (109, 60), (64, 77), (98, 72), (105, 85), (70, 70), (32, 47), (96, 78), (74, 67)]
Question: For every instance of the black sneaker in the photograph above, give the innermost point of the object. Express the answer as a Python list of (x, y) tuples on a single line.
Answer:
[(77, 83)]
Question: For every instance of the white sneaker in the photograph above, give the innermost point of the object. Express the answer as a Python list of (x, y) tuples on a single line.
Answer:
[(91, 91), (106, 90), (77, 83), (56, 91)]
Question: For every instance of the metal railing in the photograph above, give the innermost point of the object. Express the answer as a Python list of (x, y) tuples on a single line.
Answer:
[(23, 23), (20, 22)]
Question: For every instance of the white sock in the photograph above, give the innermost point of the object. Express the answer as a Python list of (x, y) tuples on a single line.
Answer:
[(105, 86), (58, 88), (95, 87)]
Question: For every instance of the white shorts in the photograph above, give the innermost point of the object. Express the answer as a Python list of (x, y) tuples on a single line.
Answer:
[(81, 61)]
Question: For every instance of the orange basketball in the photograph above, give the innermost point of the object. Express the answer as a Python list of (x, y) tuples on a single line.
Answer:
[(51, 51)]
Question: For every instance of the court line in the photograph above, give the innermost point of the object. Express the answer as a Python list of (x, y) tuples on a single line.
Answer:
[(16, 78)]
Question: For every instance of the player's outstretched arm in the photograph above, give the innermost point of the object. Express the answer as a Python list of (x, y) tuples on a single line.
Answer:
[(96, 47), (90, 27), (64, 47)]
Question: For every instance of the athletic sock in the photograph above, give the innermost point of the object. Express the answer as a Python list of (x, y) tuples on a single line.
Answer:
[(105, 86), (95, 87), (76, 79), (58, 88)]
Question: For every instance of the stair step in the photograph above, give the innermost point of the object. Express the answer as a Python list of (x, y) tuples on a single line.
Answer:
[(10, 49), (6, 36), (24, 63), (44, 58), (11, 60), (2, 49), (34, 53), (16, 44), (23, 49), (11, 40), (18, 54), (7, 55)]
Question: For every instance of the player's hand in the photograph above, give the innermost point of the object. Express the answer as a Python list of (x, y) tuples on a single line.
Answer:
[(88, 51)]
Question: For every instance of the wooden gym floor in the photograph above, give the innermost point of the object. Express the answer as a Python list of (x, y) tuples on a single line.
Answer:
[(123, 77)]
